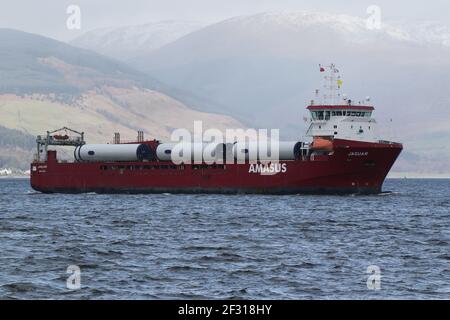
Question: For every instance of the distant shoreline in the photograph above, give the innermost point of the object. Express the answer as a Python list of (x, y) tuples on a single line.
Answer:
[(14, 177), (414, 175)]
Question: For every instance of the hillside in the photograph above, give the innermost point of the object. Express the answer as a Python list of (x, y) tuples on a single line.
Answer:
[(27, 65), (15, 146), (45, 85)]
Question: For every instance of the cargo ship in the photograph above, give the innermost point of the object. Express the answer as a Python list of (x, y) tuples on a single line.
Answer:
[(342, 154)]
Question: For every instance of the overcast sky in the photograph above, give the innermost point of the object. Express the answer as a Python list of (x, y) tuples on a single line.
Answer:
[(48, 17)]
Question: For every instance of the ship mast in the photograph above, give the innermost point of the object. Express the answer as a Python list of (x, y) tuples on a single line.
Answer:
[(332, 84)]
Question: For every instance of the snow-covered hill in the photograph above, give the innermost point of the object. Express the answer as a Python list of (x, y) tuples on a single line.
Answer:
[(426, 32), (422, 32), (124, 43)]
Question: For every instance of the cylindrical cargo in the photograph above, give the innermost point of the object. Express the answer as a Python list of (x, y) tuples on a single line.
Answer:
[(189, 152), (245, 150), (287, 150), (290, 150), (164, 151), (114, 152), (228, 152)]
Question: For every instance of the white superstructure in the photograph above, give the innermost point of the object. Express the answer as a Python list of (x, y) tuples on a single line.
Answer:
[(337, 117)]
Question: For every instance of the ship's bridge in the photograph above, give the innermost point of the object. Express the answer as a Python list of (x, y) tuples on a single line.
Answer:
[(325, 112), (336, 116), (346, 121)]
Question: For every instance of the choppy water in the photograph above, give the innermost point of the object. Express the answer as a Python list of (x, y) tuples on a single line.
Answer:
[(222, 246)]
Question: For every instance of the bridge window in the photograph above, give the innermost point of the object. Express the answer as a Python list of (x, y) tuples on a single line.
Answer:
[(326, 115), (320, 115), (317, 115)]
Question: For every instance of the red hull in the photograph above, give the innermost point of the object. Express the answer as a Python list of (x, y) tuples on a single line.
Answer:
[(354, 167)]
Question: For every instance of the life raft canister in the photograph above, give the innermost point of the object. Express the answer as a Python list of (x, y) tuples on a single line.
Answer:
[(320, 143)]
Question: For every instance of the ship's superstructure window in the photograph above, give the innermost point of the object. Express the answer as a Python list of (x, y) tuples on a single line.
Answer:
[(319, 115), (326, 115)]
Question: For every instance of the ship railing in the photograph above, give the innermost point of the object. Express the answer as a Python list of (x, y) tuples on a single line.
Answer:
[(387, 142), (124, 141)]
